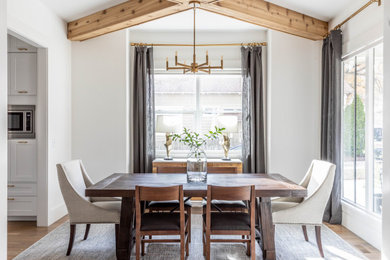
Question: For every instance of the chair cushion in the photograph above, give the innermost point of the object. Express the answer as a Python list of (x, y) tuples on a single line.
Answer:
[(229, 221), (109, 205), (278, 206), (167, 204), (223, 204), (161, 221)]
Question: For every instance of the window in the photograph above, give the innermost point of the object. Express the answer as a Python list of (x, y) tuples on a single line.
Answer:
[(362, 129), (199, 101)]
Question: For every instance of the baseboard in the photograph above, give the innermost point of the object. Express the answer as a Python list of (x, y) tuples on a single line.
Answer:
[(364, 224), (56, 213), (22, 218)]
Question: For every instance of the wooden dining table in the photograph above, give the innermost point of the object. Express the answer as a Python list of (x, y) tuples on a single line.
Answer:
[(266, 186)]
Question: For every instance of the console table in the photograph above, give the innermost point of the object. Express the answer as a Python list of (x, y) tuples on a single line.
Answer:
[(213, 166)]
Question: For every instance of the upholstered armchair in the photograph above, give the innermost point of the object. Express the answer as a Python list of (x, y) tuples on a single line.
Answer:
[(73, 180), (310, 210)]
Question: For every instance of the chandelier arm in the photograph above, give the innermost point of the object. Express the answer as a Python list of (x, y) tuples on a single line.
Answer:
[(177, 68), (183, 65)]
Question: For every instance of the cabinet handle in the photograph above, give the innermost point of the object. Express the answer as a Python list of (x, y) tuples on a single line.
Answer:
[(11, 186), (22, 91), (22, 49), (22, 142), (11, 198)]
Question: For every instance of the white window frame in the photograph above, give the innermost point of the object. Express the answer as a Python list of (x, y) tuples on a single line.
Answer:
[(369, 129)]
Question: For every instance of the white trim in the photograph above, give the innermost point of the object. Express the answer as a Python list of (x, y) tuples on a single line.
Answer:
[(56, 213), (362, 49), (364, 224)]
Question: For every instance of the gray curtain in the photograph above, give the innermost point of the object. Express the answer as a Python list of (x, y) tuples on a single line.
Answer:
[(143, 110), (253, 128), (331, 118)]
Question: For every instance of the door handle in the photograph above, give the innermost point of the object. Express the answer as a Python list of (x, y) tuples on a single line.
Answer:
[(22, 49), (11, 198), (11, 186), (22, 142), (22, 91)]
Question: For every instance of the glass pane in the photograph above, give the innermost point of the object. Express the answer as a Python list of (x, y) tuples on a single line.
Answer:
[(349, 130), (175, 92), (220, 100), (220, 93), (360, 124), (378, 128)]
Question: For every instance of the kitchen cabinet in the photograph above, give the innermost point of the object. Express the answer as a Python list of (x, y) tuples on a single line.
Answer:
[(22, 74), (22, 206), (22, 160)]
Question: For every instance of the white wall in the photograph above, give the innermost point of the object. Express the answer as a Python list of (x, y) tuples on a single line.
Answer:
[(386, 137), (3, 129), (99, 95), (34, 21), (358, 33), (294, 89), (99, 104), (362, 30)]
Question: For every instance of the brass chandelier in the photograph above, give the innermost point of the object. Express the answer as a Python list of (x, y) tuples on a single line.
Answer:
[(194, 66)]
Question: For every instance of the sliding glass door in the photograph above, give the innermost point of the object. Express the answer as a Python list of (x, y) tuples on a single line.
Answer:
[(362, 129)]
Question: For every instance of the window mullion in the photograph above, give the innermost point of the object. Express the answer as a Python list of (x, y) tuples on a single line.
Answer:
[(370, 130)]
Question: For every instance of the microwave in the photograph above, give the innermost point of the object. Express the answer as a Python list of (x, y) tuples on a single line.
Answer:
[(21, 121)]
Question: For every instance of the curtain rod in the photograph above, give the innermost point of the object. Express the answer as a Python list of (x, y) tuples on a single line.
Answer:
[(355, 13), (199, 45)]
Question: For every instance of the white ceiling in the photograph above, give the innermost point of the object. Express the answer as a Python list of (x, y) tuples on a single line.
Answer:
[(70, 10), (204, 21), (322, 9)]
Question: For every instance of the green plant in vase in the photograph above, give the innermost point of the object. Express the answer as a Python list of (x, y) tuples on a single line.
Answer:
[(197, 159)]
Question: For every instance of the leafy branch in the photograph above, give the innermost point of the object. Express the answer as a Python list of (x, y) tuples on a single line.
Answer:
[(194, 140)]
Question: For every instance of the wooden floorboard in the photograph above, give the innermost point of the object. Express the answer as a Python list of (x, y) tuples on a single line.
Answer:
[(22, 235)]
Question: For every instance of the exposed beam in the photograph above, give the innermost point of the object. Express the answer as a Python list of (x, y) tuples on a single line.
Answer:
[(257, 12), (270, 16), (121, 16)]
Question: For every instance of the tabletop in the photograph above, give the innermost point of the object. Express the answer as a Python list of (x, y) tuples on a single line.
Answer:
[(266, 185)]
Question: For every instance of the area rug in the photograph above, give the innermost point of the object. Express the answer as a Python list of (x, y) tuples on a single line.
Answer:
[(290, 245)]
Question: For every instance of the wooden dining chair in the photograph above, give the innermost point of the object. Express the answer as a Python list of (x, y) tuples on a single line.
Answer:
[(161, 223), (230, 223)]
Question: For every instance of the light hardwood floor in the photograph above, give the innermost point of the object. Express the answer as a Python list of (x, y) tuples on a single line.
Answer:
[(22, 235)]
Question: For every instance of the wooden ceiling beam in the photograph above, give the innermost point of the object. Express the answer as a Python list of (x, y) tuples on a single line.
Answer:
[(121, 16), (271, 16), (258, 12)]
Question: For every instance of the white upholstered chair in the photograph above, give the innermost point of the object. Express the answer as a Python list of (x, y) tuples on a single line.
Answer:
[(73, 180), (310, 210)]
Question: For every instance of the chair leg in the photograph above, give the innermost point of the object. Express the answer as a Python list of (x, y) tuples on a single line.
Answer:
[(116, 233), (305, 232), (137, 247), (71, 238), (189, 222), (143, 246), (208, 246), (187, 247), (248, 248), (88, 226), (182, 246), (203, 239), (318, 237), (253, 246)]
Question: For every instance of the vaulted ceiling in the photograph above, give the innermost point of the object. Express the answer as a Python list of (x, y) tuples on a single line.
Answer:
[(91, 18)]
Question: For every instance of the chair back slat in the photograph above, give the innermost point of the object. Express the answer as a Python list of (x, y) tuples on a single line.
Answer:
[(159, 193), (230, 193)]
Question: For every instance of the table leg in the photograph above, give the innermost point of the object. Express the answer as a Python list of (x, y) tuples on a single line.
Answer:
[(125, 241), (267, 229)]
